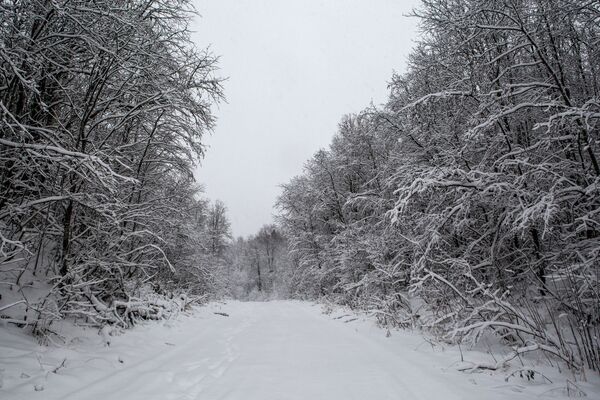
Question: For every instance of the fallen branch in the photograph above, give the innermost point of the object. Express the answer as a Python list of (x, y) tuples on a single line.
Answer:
[(502, 362), (222, 313)]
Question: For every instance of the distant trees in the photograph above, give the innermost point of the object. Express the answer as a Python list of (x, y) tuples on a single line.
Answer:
[(218, 228), (260, 265), (475, 189), (102, 109), (271, 242)]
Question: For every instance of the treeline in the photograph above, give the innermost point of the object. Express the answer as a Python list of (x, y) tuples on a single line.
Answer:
[(103, 105), (259, 266), (470, 202)]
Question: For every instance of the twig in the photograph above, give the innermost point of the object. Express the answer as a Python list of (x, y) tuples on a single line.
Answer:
[(221, 313)]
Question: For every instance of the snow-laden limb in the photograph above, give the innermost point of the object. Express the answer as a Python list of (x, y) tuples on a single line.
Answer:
[(7, 306)]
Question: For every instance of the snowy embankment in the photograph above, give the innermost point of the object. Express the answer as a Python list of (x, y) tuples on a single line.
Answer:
[(263, 350)]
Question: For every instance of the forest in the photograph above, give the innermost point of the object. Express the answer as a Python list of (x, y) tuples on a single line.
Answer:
[(103, 109), (466, 206)]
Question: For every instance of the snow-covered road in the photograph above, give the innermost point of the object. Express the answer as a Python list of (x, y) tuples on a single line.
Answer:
[(265, 350)]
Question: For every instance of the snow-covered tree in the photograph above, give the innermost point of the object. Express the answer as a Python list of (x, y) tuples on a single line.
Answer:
[(475, 189), (102, 110)]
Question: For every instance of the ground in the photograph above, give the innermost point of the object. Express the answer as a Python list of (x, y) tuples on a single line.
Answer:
[(280, 350)]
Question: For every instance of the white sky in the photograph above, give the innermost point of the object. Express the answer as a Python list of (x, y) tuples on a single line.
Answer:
[(294, 68)]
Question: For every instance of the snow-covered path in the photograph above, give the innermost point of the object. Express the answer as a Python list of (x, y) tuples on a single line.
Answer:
[(268, 350)]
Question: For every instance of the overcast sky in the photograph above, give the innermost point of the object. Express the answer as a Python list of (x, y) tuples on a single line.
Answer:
[(294, 68)]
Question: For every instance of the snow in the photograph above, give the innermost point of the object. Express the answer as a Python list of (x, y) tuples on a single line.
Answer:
[(278, 350)]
